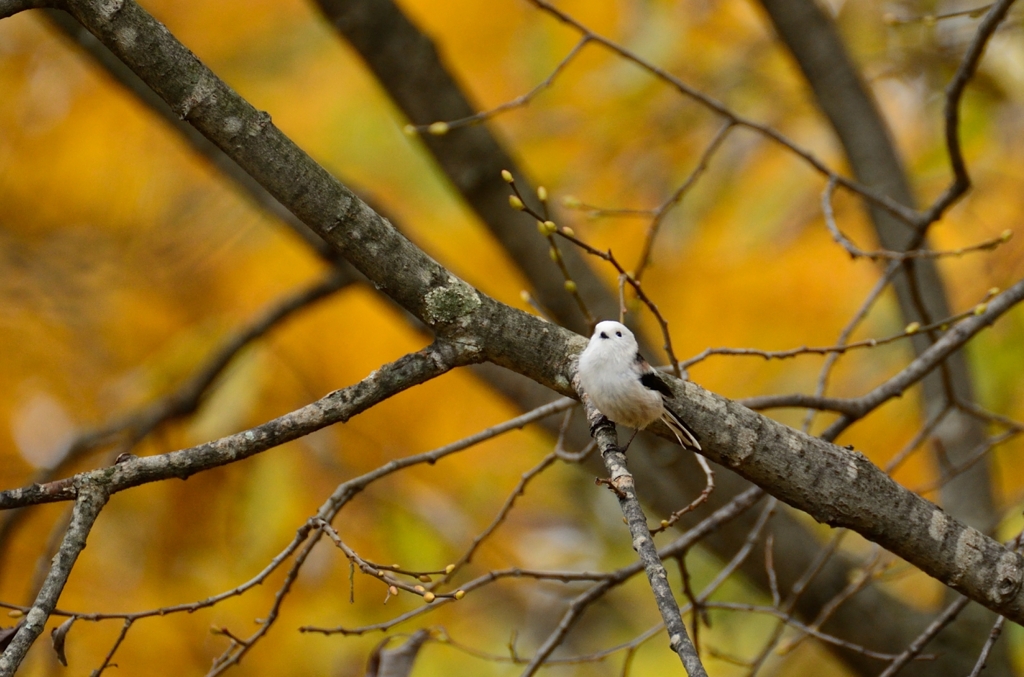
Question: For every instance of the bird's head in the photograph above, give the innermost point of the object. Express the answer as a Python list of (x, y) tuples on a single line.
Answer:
[(610, 336)]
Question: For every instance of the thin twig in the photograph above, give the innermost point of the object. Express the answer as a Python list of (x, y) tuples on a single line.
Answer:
[(113, 649), (993, 636), (709, 486), (919, 437), (677, 196), (677, 548), (931, 357), (951, 111), (796, 590), (856, 252), (817, 634), (442, 127), (550, 229), (915, 647), (975, 455), (503, 513), (931, 18), (911, 330)]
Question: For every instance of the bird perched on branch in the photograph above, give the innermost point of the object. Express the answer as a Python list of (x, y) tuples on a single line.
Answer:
[(624, 387)]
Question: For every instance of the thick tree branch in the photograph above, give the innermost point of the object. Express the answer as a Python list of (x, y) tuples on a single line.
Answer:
[(811, 36), (814, 41), (737, 437), (249, 187), (12, 7)]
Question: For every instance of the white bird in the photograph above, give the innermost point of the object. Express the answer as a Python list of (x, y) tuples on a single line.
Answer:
[(624, 387)]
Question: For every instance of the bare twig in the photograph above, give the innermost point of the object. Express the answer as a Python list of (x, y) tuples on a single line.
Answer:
[(674, 199), (951, 111), (442, 127), (796, 590), (844, 336), (919, 437), (551, 229), (944, 619), (931, 18), (813, 632), (976, 454), (839, 348), (333, 505), (113, 649), (239, 647), (709, 486), (856, 252), (993, 637), (503, 513), (837, 404), (748, 545), (675, 549)]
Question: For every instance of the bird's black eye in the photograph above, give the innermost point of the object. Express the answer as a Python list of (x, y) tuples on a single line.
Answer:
[(604, 335), (619, 334)]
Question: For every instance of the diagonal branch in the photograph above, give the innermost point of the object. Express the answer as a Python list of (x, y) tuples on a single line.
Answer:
[(817, 47), (91, 497), (116, 69), (931, 358), (883, 201), (622, 484), (336, 407)]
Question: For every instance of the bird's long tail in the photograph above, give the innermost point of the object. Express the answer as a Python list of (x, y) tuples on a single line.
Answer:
[(683, 433)]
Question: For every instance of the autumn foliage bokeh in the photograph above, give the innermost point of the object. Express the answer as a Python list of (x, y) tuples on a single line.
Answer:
[(125, 259)]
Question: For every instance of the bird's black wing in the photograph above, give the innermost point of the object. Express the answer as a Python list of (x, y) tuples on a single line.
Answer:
[(684, 433), (652, 381)]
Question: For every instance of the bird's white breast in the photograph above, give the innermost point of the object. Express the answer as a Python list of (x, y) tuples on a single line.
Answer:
[(610, 379)]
